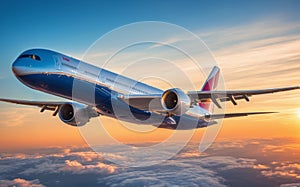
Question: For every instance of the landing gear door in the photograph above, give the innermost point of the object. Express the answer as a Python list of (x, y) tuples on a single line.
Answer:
[(57, 63)]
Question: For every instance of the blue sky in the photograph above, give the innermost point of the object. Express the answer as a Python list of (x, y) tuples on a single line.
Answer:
[(71, 26)]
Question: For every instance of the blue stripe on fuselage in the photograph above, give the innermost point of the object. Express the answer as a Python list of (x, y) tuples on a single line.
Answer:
[(63, 85), (92, 94), (78, 90)]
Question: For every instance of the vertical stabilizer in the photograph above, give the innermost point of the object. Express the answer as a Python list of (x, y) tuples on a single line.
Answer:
[(210, 84)]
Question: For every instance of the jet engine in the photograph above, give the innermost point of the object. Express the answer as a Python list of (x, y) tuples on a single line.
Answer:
[(175, 101), (75, 114)]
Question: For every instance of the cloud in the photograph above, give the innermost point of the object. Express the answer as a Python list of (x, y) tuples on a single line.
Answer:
[(55, 161), (261, 166), (16, 117), (279, 157), (190, 154), (87, 156), (250, 33), (77, 168), (188, 169), (285, 169), (290, 185), (241, 51), (282, 147), (20, 183), (171, 173), (225, 143), (227, 162), (273, 148)]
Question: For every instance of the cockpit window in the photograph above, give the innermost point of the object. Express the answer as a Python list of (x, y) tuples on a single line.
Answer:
[(33, 57)]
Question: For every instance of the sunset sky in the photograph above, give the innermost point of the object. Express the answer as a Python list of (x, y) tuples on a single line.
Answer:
[(254, 48), (255, 43)]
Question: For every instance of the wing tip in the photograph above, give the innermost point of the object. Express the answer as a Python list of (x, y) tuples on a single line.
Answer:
[(294, 87), (265, 112)]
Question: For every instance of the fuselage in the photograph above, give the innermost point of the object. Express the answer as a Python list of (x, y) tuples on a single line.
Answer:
[(67, 77)]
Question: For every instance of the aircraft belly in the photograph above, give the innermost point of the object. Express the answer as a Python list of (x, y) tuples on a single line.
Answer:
[(67, 87)]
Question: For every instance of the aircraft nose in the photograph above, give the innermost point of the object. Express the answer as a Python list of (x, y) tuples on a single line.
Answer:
[(18, 68)]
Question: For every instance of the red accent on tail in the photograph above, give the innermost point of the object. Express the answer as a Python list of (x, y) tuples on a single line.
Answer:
[(210, 84)]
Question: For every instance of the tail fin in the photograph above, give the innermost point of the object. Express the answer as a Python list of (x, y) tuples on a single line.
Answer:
[(210, 84)]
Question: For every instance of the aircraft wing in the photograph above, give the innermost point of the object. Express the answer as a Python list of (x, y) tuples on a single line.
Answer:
[(44, 105), (232, 115), (152, 101), (232, 95)]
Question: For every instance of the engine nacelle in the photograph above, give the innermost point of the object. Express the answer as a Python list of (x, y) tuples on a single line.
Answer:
[(175, 101), (75, 114)]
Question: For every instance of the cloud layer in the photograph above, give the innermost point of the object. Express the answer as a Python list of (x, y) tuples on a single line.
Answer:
[(257, 161)]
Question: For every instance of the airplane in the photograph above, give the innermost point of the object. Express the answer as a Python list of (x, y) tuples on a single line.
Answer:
[(102, 92)]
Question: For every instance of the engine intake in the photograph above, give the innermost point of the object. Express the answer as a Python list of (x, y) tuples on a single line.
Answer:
[(66, 112), (76, 114), (175, 101)]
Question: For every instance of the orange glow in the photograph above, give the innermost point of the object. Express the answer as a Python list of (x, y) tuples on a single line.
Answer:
[(23, 128)]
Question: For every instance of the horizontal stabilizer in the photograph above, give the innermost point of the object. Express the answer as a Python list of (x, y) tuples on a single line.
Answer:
[(232, 95)]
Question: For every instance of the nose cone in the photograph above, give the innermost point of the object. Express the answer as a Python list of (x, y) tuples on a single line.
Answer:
[(18, 68)]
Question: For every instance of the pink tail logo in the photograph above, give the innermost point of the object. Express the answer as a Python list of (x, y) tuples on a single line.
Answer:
[(210, 84)]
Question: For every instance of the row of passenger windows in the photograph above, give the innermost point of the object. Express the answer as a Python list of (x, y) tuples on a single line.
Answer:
[(33, 57), (125, 85)]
